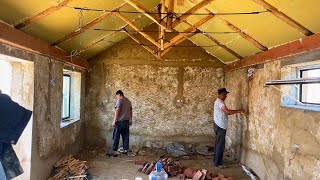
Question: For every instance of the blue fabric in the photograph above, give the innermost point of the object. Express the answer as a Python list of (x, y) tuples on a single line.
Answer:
[(13, 120), (122, 128), (10, 162)]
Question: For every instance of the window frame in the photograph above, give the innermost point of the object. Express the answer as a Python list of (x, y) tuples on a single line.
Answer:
[(300, 72), (69, 108)]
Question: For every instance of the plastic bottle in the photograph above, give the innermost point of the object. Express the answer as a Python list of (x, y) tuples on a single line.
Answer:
[(158, 174)]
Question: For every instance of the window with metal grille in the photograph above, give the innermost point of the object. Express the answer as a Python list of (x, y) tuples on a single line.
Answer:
[(310, 93)]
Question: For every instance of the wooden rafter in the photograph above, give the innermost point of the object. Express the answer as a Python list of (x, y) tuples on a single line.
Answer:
[(137, 29), (146, 12), (284, 17), (216, 41), (145, 47), (42, 14), (191, 29), (238, 30), (170, 14), (245, 35), (294, 48), (162, 30), (87, 26), (21, 40), (192, 10), (109, 35)]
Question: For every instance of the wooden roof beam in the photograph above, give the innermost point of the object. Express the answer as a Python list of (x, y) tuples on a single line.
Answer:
[(21, 40), (110, 34), (294, 48), (87, 26), (146, 12), (238, 30), (42, 14), (284, 17), (145, 47), (137, 29), (192, 10), (191, 29), (170, 14)]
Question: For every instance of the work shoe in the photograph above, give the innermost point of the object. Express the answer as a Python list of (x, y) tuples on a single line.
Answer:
[(125, 152)]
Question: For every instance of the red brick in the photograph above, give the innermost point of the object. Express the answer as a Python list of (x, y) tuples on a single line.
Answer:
[(173, 170), (204, 172), (181, 176), (208, 176), (188, 173), (144, 169), (215, 178), (197, 176)]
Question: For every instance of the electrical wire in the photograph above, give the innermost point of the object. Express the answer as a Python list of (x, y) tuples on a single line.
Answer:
[(155, 46), (191, 14), (118, 30)]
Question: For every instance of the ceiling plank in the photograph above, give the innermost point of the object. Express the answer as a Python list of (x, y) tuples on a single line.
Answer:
[(238, 30), (145, 47), (284, 17), (87, 26), (170, 14), (245, 35), (146, 12), (178, 42), (109, 35), (191, 29), (192, 10), (42, 14), (223, 46), (137, 29), (277, 53), (21, 40)]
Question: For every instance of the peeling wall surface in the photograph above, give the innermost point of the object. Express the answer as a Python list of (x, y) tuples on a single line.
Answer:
[(172, 98), (273, 130), (49, 141)]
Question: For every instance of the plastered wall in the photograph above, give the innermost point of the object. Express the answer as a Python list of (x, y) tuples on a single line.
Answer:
[(271, 129), (172, 98)]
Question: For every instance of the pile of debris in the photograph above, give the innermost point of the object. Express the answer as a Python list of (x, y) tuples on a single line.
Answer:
[(69, 168), (174, 168)]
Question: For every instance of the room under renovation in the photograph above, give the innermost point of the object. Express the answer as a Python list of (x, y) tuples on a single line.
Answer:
[(159, 89)]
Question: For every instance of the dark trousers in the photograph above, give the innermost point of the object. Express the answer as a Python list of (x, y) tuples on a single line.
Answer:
[(219, 145), (122, 128)]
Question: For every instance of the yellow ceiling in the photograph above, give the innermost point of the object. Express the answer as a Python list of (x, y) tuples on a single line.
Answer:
[(266, 28)]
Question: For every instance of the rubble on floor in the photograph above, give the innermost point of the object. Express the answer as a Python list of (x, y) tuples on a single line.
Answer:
[(69, 168), (175, 168)]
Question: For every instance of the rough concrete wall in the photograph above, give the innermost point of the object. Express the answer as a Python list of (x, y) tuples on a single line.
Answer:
[(277, 129), (49, 141), (172, 98)]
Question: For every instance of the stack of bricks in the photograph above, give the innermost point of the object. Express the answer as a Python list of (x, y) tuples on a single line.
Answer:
[(191, 174), (174, 168)]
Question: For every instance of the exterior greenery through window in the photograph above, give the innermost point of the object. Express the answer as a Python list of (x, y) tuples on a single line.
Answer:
[(310, 93), (66, 96)]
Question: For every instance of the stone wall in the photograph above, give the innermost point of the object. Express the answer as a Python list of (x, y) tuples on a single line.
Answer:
[(272, 129), (49, 141), (172, 98)]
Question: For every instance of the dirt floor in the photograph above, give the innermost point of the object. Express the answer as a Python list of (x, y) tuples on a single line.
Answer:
[(102, 167)]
